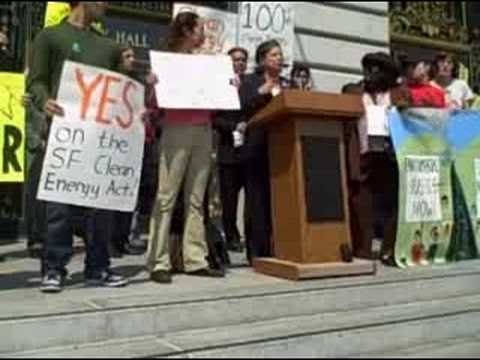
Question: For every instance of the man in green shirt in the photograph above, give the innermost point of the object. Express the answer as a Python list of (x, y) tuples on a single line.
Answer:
[(72, 40)]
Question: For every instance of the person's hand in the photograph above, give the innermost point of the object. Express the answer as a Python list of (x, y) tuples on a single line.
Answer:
[(235, 82), (151, 79), (309, 85), (266, 88), (241, 127), (26, 100), (52, 108), (145, 116)]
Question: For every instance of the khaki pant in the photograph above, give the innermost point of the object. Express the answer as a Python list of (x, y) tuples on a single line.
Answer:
[(185, 158)]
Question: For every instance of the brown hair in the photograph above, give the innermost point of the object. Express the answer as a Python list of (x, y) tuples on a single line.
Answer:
[(264, 48), (185, 21), (240, 49)]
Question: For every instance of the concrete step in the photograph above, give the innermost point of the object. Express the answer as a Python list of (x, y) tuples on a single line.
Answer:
[(65, 322), (465, 348), (407, 327), (80, 316)]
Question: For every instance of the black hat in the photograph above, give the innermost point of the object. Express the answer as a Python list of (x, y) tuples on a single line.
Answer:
[(382, 60)]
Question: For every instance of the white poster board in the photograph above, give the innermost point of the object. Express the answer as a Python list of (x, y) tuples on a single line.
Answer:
[(220, 27), (262, 21), (94, 154), (423, 189), (194, 81)]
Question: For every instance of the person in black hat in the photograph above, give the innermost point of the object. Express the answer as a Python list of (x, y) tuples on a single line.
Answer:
[(372, 167)]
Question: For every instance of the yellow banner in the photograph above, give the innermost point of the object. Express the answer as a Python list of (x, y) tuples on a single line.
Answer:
[(58, 11), (12, 127)]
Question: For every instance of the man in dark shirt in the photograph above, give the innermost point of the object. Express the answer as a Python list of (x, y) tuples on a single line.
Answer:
[(72, 40), (231, 168)]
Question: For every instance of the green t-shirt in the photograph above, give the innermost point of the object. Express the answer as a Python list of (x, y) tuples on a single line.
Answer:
[(54, 45)]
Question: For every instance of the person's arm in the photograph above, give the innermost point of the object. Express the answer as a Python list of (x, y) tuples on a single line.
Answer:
[(38, 77), (223, 122), (253, 97), (401, 97)]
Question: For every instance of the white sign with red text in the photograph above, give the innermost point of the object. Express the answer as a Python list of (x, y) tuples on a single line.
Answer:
[(94, 154)]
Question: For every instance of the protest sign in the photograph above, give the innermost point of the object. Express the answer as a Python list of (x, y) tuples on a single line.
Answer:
[(463, 135), (94, 153), (194, 81), (262, 21), (220, 27), (423, 190), (12, 127), (425, 214)]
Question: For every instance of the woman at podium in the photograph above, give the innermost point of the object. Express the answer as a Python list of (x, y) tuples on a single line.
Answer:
[(256, 92)]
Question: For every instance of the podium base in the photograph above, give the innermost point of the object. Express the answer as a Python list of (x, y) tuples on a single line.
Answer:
[(296, 271)]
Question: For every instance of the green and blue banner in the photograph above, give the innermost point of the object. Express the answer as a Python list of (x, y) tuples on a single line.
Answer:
[(438, 156)]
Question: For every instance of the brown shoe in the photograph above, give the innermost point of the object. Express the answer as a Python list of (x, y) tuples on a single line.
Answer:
[(161, 277), (211, 273)]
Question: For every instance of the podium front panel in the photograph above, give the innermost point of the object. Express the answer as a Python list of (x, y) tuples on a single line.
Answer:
[(322, 179), (323, 188)]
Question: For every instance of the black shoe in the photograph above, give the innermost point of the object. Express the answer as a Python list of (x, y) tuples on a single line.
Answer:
[(211, 273), (107, 279), (133, 250), (115, 253), (235, 247), (35, 251), (52, 284), (161, 277)]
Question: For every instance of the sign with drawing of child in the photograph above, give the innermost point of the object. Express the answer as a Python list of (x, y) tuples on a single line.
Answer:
[(425, 219)]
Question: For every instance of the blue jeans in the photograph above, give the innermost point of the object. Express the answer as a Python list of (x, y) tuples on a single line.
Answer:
[(59, 243)]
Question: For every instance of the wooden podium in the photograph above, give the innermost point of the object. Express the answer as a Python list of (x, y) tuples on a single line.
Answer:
[(308, 179)]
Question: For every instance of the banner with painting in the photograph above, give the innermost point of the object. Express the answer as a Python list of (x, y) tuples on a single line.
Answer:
[(439, 162), (425, 214), (463, 135)]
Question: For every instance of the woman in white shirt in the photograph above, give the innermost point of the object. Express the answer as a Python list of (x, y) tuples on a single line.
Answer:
[(459, 94)]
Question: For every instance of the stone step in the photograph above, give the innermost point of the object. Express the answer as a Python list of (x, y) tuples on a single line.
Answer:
[(407, 327), (446, 349), (80, 317)]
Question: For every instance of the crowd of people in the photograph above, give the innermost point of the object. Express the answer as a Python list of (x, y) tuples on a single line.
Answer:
[(178, 168)]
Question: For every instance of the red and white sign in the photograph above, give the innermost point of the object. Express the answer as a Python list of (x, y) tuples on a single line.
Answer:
[(94, 154)]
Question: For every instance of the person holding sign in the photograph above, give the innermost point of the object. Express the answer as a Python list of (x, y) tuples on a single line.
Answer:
[(185, 160), (256, 91), (72, 40)]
